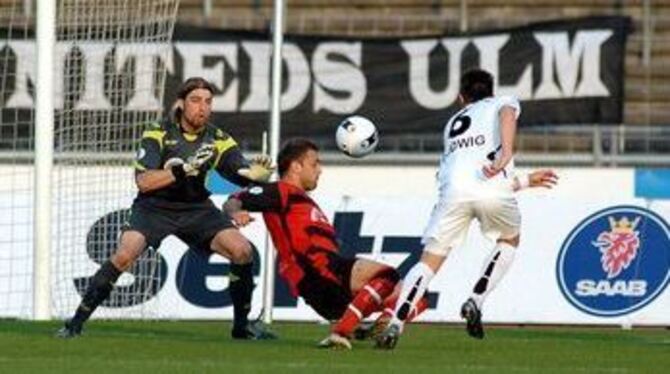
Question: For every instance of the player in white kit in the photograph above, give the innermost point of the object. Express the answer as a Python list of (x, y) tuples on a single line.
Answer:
[(476, 181)]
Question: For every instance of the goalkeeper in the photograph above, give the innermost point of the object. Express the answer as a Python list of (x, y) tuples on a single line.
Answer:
[(170, 171)]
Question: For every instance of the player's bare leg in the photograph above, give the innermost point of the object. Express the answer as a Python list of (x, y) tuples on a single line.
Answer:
[(414, 287), (495, 267), (363, 272), (231, 244), (132, 244)]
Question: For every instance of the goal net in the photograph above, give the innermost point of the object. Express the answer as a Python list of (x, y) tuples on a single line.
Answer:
[(111, 61)]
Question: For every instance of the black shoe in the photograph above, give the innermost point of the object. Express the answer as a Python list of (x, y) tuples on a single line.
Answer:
[(473, 317), (256, 330), (69, 330), (364, 331), (389, 338)]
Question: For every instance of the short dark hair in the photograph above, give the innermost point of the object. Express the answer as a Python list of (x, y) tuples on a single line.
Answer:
[(476, 84), (189, 85), (291, 151)]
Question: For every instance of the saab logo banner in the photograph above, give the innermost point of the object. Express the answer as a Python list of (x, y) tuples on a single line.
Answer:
[(615, 261), (564, 72)]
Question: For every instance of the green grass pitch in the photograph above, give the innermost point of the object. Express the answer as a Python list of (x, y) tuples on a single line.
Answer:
[(205, 347)]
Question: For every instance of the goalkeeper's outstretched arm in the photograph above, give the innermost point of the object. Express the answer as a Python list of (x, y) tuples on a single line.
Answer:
[(233, 166)]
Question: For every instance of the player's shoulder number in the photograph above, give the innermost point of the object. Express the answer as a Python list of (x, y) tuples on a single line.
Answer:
[(460, 125)]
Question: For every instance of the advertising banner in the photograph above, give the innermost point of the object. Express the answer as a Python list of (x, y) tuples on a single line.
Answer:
[(586, 257), (564, 72)]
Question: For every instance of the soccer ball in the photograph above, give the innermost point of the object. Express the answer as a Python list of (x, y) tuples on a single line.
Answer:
[(357, 136)]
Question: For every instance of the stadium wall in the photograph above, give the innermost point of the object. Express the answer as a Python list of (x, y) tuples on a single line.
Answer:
[(559, 275)]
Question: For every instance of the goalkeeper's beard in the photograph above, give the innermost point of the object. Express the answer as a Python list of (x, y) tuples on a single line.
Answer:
[(195, 122)]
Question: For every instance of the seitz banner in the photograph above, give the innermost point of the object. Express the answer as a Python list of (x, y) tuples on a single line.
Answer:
[(564, 72), (586, 256)]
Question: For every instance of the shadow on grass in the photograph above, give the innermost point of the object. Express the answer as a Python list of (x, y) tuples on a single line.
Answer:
[(195, 331)]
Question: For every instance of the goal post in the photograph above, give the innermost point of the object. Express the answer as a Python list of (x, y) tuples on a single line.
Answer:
[(275, 133), (44, 136)]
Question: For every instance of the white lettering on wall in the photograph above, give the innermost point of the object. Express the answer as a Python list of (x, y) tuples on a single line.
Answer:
[(569, 63), (145, 57), (331, 75), (419, 72), (334, 73), (489, 51), (194, 66), (24, 53), (94, 74)]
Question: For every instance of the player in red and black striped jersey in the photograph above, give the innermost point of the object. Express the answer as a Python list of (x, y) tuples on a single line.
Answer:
[(338, 288)]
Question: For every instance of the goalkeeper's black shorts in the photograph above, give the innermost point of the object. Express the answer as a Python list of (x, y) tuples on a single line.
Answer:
[(196, 224)]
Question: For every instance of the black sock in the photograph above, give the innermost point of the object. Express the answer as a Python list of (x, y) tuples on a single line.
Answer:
[(241, 288), (98, 290)]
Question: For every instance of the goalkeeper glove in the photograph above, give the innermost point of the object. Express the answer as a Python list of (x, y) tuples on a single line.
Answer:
[(200, 160), (260, 169)]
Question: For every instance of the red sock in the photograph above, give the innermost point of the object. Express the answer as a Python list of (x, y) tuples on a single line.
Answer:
[(389, 308), (366, 301)]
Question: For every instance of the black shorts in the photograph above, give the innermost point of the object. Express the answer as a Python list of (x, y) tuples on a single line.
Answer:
[(195, 224), (328, 297)]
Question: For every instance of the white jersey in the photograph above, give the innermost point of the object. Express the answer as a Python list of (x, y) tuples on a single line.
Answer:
[(471, 141)]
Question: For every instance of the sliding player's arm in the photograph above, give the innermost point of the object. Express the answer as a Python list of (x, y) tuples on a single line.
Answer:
[(259, 198), (545, 178)]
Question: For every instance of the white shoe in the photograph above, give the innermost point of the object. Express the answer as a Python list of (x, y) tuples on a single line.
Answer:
[(335, 341)]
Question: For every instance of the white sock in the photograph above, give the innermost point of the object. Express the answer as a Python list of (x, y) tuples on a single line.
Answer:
[(413, 288), (495, 267)]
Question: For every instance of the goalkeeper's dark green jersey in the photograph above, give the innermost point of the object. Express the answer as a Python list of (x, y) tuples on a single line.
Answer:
[(166, 144)]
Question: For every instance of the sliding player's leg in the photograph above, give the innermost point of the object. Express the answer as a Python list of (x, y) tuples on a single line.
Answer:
[(370, 283), (374, 330)]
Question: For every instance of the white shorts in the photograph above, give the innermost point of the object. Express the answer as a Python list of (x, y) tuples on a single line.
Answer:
[(450, 221)]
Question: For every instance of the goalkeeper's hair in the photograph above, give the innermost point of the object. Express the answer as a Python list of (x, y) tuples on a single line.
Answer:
[(476, 84), (292, 150), (189, 85)]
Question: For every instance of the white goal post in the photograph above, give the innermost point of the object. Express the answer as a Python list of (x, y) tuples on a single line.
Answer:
[(44, 136)]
